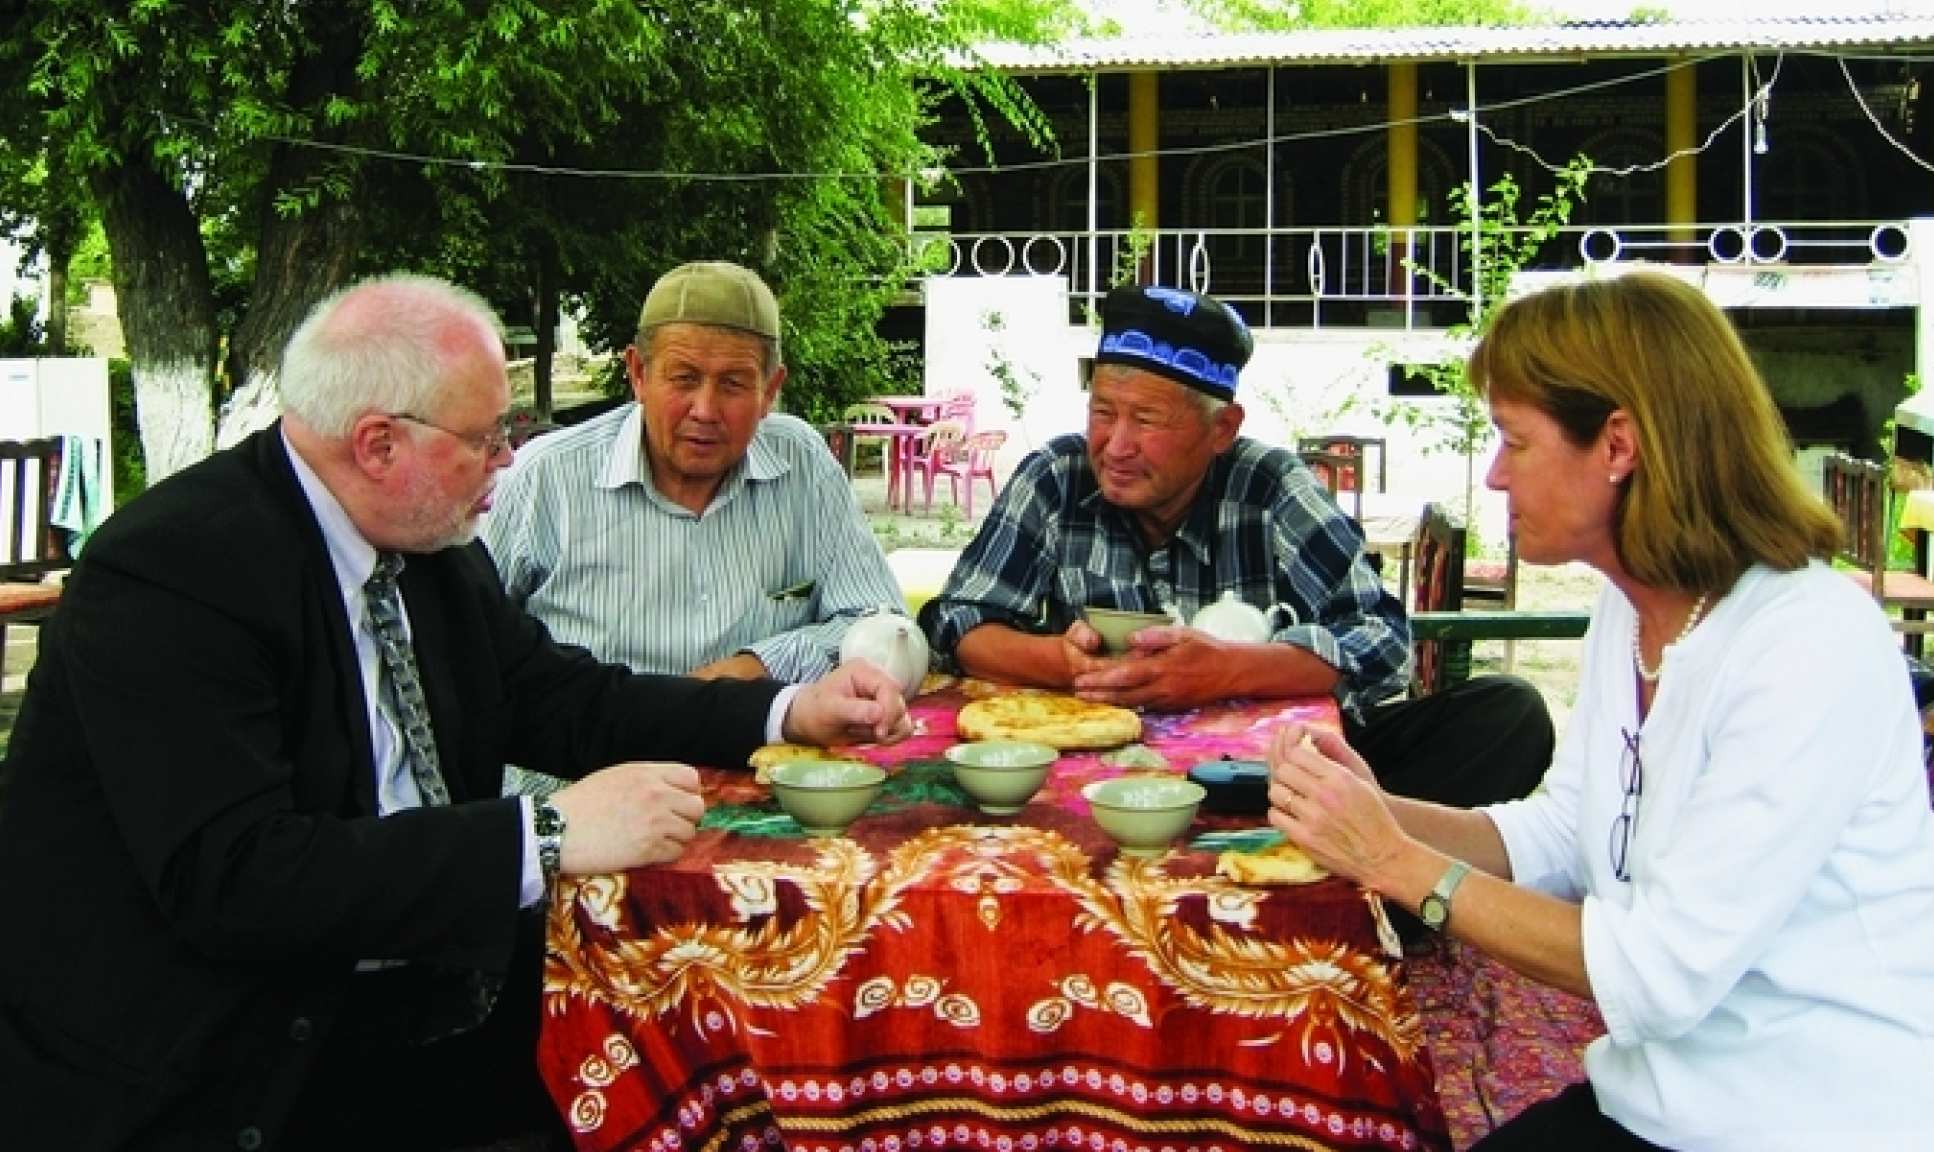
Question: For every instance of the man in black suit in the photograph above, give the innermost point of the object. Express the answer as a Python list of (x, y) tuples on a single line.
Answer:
[(258, 881)]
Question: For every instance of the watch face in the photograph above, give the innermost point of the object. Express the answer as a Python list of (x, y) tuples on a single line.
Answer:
[(1432, 911), (547, 820)]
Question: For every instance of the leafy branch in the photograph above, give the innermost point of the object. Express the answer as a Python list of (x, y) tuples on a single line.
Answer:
[(1499, 248)]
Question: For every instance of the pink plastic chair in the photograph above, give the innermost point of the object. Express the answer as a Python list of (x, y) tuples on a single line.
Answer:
[(962, 458), (957, 407)]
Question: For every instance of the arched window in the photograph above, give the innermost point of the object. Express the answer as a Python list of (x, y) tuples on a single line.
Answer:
[(1068, 199), (1230, 193), (1366, 183), (1805, 175)]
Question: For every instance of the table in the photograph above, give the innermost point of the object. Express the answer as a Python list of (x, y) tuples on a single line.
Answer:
[(916, 414), (912, 409), (942, 979), (900, 439), (1390, 525)]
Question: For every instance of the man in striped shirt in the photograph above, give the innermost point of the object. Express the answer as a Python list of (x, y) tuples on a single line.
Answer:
[(1164, 506), (695, 530)]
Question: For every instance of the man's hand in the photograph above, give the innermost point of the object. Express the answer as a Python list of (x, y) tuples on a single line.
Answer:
[(855, 703), (1168, 669), (744, 666), (1081, 651), (628, 816)]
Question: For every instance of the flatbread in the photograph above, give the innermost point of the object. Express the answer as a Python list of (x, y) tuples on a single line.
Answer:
[(1280, 863), (764, 760), (1050, 718)]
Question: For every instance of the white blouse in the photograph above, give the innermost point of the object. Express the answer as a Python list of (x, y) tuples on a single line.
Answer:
[(1766, 973)]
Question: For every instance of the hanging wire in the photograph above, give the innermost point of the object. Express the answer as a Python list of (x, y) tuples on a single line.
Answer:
[(1762, 94), (1759, 95), (1875, 120), (1453, 115)]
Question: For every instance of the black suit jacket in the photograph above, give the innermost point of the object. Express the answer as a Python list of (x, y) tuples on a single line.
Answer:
[(190, 862)]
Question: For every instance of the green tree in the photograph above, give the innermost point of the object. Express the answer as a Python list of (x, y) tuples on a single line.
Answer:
[(244, 159)]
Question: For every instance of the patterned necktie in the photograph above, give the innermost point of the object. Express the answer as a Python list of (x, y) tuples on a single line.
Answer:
[(457, 999), (405, 686)]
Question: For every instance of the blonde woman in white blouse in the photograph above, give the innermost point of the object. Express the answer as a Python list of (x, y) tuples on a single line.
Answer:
[(1733, 853)]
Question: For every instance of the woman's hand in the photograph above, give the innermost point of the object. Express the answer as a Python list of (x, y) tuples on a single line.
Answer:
[(1326, 800)]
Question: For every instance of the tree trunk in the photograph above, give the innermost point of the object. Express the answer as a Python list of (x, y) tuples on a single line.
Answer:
[(57, 300), (547, 307), (299, 258), (167, 312)]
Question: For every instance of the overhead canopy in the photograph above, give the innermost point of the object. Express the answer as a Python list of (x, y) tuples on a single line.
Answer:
[(1528, 43)]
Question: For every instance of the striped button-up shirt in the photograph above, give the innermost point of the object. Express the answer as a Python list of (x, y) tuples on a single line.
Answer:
[(778, 564), (1261, 526)]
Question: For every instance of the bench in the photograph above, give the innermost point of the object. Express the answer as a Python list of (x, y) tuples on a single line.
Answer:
[(31, 548), (1442, 630)]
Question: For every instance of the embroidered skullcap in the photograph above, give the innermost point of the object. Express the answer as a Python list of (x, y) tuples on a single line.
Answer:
[(1192, 339)]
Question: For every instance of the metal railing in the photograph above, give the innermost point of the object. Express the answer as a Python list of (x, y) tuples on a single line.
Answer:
[(1290, 275)]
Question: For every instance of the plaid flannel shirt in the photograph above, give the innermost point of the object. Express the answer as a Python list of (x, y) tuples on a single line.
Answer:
[(1262, 527)]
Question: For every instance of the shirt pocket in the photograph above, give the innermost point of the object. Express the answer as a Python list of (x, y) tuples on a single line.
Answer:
[(783, 606)]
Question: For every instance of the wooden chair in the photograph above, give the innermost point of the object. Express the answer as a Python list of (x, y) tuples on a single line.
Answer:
[(1338, 474), (1858, 491), (31, 548), (1443, 626), (964, 461), (1437, 585), (1360, 447)]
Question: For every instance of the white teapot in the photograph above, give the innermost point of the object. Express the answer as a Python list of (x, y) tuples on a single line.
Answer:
[(890, 642), (1233, 620)]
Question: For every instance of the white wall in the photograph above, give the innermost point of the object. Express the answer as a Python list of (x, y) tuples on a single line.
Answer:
[(1298, 383)]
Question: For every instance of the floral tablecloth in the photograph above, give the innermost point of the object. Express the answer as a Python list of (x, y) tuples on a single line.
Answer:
[(939, 978)]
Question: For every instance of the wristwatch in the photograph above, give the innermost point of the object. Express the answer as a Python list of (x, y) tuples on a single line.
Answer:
[(1435, 910), (548, 824)]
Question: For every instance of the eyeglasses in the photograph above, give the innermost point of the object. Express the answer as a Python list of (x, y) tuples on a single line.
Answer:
[(489, 442), (1632, 777)]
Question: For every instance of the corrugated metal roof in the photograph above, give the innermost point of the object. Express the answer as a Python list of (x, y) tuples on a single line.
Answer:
[(1553, 41)]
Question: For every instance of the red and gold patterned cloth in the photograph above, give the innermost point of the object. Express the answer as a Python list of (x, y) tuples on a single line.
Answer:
[(943, 979)]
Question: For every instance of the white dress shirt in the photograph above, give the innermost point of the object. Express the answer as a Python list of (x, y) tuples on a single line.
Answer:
[(353, 559)]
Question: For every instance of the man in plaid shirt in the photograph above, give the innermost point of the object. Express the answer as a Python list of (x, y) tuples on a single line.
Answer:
[(1164, 506)]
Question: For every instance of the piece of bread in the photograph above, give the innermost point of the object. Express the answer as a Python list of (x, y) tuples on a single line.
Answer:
[(1050, 718), (763, 760), (1280, 863)]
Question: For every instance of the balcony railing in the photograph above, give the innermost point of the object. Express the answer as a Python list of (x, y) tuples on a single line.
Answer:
[(1312, 276)]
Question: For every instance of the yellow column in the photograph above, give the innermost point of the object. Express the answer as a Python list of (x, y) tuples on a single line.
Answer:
[(1682, 172), (1402, 145), (1401, 171), (1144, 138)]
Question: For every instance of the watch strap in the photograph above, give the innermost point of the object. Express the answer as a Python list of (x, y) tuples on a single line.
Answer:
[(1436, 908), (548, 824)]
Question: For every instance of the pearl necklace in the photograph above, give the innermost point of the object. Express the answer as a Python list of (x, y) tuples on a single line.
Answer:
[(1651, 675)]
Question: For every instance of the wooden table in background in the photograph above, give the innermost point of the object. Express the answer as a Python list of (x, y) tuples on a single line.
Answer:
[(942, 979)]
